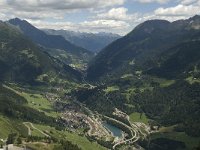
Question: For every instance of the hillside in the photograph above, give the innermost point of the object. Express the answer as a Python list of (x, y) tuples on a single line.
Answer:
[(141, 48), (91, 41), (22, 61), (153, 75), (53, 42), (178, 61), (24, 119)]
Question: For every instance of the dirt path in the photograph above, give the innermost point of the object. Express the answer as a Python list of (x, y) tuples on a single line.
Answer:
[(32, 126), (29, 129)]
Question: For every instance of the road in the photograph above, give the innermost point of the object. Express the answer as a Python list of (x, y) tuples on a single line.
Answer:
[(136, 131), (96, 128), (135, 128), (29, 129), (33, 127)]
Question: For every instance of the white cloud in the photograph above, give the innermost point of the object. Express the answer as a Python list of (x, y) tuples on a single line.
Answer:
[(3, 16), (187, 2), (99, 15), (153, 1), (117, 14), (53, 25), (61, 4), (54, 9), (86, 26), (179, 10), (38, 12), (104, 24)]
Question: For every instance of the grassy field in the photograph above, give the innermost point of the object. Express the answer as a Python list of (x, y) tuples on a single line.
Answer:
[(167, 83), (164, 82), (34, 132), (126, 76), (8, 126), (111, 89), (81, 141), (192, 80), (37, 101), (167, 129), (40, 103), (135, 117), (40, 146), (190, 142), (5, 127)]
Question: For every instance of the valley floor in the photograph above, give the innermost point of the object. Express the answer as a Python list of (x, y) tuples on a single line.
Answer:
[(82, 126)]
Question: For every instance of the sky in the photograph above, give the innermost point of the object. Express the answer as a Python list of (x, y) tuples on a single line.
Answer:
[(116, 16)]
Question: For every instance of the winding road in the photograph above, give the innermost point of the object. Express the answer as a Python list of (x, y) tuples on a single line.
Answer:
[(29, 129), (33, 127), (135, 129), (136, 132)]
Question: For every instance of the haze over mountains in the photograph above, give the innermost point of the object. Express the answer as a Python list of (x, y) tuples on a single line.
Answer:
[(90, 41), (57, 46), (43, 39)]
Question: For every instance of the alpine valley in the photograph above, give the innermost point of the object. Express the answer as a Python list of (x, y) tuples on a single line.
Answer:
[(65, 90)]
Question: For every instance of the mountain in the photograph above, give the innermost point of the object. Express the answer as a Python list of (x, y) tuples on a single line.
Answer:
[(23, 61), (153, 72), (178, 61), (54, 42), (91, 41), (145, 85), (31, 83), (141, 49)]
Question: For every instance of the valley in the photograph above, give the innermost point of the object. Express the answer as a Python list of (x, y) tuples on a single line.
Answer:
[(141, 92), (79, 121), (74, 119)]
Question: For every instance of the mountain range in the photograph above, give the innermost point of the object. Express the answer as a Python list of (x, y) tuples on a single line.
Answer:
[(152, 44), (90, 41), (56, 45), (23, 61)]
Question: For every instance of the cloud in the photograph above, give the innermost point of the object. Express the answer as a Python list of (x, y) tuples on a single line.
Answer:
[(61, 4), (104, 24), (3, 16), (153, 1), (86, 26), (40, 12), (56, 9), (187, 2), (98, 15), (179, 10), (117, 14), (53, 25)]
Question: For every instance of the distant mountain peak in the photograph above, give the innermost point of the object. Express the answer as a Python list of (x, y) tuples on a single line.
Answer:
[(194, 22), (150, 25), (91, 41), (145, 44), (50, 41), (196, 17), (17, 21)]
